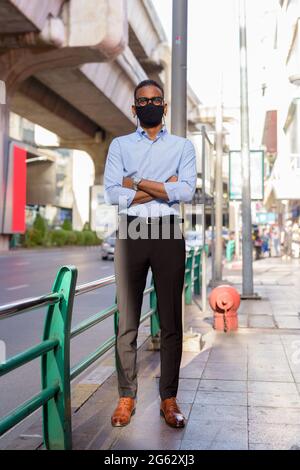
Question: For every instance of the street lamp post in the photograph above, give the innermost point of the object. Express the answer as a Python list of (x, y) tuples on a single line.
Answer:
[(218, 268), (179, 79), (179, 68), (245, 155)]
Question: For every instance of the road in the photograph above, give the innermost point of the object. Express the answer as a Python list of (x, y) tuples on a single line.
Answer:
[(31, 273)]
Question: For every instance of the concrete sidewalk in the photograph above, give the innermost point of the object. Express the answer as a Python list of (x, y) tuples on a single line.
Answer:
[(240, 392)]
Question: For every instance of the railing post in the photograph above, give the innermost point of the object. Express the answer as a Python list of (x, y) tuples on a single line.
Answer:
[(116, 317), (154, 319), (116, 326), (197, 272), (203, 271), (57, 426), (188, 277)]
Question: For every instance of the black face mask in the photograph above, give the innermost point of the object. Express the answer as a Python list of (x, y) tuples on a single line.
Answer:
[(150, 115)]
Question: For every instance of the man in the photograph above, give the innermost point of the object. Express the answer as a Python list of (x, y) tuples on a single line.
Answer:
[(147, 174), (275, 236), (286, 240)]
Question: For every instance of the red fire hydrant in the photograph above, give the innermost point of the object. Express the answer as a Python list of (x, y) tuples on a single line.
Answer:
[(225, 300)]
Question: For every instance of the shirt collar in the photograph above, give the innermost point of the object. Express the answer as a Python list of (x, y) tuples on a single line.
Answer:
[(141, 132)]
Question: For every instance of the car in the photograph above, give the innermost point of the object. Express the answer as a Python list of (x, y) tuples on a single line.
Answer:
[(108, 247), (193, 239)]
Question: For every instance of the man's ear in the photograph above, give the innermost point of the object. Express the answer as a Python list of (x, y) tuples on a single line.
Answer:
[(133, 110), (165, 109)]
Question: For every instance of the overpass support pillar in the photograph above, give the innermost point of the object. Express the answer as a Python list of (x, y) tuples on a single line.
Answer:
[(4, 129), (7, 90)]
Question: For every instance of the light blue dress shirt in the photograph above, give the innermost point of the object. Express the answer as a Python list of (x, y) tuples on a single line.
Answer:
[(157, 160)]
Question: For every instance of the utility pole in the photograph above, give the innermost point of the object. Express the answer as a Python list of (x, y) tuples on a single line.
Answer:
[(4, 155), (179, 68), (237, 228), (179, 80), (219, 186), (245, 155), (203, 253)]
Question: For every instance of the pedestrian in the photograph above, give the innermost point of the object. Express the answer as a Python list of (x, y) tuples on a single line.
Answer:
[(257, 244), (296, 240), (286, 240), (230, 247), (266, 243), (147, 174), (275, 237)]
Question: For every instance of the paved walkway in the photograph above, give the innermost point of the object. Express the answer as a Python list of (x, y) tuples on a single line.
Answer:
[(241, 391)]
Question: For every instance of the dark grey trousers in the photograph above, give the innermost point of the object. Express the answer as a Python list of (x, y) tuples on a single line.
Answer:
[(133, 258)]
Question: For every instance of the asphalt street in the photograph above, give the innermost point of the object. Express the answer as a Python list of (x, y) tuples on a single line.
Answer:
[(31, 273)]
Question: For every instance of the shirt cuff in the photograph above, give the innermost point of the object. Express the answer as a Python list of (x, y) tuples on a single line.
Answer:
[(120, 196), (125, 197), (130, 196), (171, 189)]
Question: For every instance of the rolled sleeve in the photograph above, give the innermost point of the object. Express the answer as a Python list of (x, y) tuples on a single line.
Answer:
[(114, 192), (184, 189)]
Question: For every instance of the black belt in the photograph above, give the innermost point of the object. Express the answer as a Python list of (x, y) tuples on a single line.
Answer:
[(171, 219)]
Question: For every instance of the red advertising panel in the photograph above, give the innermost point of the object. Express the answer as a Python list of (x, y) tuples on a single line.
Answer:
[(15, 198), (19, 190)]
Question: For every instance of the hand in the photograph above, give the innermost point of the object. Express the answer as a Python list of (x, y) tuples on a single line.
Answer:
[(172, 179), (127, 182)]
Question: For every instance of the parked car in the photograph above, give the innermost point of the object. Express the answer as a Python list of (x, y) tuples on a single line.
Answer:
[(108, 247), (193, 239), (210, 239)]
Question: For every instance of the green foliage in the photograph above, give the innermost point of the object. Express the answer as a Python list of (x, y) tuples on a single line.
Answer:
[(58, 237), (67, 225), (79, 237), (89, 238), (98, 241), (40, 235), (86, 226), (71, 238), (40, 225), (33, 237)]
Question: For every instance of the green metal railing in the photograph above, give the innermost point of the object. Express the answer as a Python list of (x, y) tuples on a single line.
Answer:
[(193, 273), (54, 349)]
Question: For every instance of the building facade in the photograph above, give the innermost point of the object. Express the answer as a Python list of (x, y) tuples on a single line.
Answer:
[(282, 114)]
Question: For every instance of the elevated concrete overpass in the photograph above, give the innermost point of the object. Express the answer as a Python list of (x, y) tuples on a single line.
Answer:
[(72, 70)]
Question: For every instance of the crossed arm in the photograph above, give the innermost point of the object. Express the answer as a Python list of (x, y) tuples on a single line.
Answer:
[(119, 190), (149, 190)]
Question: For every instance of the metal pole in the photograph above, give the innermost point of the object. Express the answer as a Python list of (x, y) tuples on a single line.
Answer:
[(219, 187), (179, 80), (203, 253), (237, 228), (179, 68), (213, 223), (4, 158), (245, 155)]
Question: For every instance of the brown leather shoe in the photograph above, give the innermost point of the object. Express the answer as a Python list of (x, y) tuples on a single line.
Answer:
[(123, 412), (171, 412)]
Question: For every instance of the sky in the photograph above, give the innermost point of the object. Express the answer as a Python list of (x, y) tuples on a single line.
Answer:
[(213, 45)]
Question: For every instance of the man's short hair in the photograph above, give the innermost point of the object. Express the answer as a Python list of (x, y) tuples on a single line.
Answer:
[(148, 83)]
